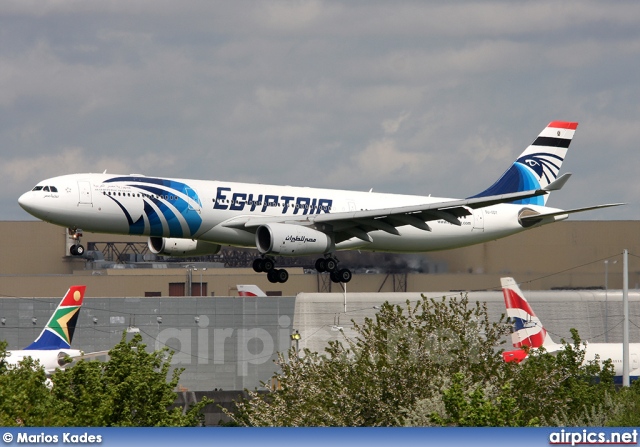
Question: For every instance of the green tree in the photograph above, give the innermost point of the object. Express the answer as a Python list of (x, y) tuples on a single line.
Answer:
[(406, 354), (471, 405), (623, 408), (25, 398), (555, 386), (433, 363), (130, 389)]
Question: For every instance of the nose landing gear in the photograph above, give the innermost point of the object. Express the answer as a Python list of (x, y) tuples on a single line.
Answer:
[(76, 248)]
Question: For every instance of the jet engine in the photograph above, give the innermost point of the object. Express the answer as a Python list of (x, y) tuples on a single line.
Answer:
[(288, 239), (181, 247)]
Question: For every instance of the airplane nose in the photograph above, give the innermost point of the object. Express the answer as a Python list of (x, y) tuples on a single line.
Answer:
[(26, 201), (22, 201)]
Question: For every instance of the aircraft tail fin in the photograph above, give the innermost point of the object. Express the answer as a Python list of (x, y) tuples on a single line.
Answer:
[(537, 166), (58, 332), (250, 290), (528, 329)]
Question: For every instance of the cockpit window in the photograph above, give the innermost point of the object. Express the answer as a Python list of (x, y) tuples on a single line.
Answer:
[(37, 188), (54, 189), (46, 188)]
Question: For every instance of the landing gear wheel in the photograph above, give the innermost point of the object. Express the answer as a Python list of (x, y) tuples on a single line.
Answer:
[(330, 265), (267, 265), (79, 250), (272, 276), (334, 276), (321, 265), (282, 275), (73, 250), (257, 265), (344, 275)]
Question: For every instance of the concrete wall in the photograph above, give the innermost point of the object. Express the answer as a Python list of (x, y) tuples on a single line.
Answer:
[(225, 343)]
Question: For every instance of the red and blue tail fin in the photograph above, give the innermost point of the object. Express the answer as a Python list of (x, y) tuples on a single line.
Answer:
[(528, 329), (538, 165), (58, 332)]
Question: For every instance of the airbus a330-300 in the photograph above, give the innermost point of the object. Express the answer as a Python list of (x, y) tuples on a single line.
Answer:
[(198, 217)]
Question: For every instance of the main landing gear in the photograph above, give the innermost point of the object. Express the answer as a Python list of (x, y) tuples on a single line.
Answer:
[(327, 264), (76, 249), (267, 265), (330, 264)]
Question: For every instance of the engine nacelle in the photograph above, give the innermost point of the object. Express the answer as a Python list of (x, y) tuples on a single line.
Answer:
[(181, 247), (287, 239)]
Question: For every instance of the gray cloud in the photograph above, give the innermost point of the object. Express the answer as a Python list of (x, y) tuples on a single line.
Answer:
[(406, 97)]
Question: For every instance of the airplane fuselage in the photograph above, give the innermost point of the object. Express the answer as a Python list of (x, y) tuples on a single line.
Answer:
[(613, 351), (50, 359), (197, 209)]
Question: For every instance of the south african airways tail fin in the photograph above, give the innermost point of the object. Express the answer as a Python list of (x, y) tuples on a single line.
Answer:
[(58, 332), (538, 166)]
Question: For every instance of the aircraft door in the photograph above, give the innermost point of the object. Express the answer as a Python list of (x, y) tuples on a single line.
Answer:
[(194, 200), (478, 220), (634, 362), (84, 190)]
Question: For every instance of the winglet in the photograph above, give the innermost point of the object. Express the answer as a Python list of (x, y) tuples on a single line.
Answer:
[(557, 184)]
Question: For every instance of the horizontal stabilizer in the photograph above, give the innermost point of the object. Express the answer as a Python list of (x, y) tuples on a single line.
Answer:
[(536, 217)]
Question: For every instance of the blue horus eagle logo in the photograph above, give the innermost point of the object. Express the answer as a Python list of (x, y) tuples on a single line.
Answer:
[(167, 204), (543, 164), (529, 172)]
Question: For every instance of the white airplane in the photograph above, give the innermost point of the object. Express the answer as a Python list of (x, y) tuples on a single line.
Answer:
[(529, 332), (197, 217), (249, 290), (53, 346)]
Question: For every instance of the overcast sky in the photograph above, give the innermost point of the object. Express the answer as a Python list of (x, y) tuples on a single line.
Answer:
[(421, 97)]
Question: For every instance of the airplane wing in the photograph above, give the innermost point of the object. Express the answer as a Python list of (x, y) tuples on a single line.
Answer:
[(359, 223)]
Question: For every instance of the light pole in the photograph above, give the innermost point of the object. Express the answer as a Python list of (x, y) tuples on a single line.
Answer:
[(606, 300), (201, 270), (190, 269)]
